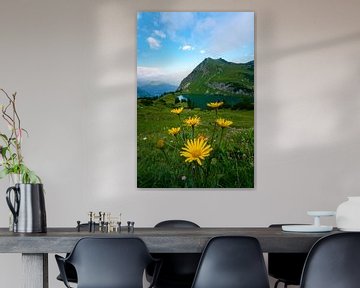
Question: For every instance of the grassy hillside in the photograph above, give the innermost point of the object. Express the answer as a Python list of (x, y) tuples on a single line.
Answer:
[(217, 76)]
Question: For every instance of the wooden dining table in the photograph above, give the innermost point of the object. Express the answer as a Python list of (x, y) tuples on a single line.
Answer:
[(35, 247)]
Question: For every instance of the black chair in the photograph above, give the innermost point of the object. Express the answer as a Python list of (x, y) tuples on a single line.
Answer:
[(333, 262), (108, 263), (286, 267), (232, 262), (178, 269), (69, 269)]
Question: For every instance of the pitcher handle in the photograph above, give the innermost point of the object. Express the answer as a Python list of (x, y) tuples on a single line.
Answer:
[(13, 208)]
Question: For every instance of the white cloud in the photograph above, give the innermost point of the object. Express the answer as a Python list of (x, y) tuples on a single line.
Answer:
[(171, 76), (202, 51), (159, 33), (187, 48), (153, 43), (148, 72), (223, 39), (175, 21), (205, 25)]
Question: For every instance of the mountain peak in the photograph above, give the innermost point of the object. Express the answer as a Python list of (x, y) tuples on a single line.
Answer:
[(209, 59), (218, 76)]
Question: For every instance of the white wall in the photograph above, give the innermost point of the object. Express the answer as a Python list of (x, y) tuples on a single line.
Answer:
[(73, 64)]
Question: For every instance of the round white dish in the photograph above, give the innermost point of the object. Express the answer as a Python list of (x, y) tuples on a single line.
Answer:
[(306, 228), (321, 213)]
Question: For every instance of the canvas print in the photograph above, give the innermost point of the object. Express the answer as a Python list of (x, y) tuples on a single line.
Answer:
[(195, 100)]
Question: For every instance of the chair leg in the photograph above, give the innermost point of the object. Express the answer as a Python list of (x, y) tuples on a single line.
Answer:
[(278, 282)]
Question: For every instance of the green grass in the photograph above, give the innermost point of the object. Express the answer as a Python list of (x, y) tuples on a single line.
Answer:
[(230, 164), (205, 77)]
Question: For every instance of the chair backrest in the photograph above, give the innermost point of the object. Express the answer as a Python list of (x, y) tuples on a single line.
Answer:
[(232, 262), (287, 267), (176, 224), (178, 269), (333, 262), (110, 262)]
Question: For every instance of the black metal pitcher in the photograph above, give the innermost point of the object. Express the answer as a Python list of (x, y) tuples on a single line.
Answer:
[(28, 208)]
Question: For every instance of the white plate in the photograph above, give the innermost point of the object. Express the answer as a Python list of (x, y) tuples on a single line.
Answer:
[(306, 228), (321, 213)]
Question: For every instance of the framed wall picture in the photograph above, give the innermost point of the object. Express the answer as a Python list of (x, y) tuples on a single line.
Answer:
[(195, 100)]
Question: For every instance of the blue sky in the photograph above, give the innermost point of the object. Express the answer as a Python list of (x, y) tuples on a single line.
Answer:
[(171, 44)]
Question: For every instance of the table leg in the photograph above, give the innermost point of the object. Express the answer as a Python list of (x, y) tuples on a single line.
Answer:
[(35, 270)]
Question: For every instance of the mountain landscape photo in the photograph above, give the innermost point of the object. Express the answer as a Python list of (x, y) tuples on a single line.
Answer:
[(195, 100)]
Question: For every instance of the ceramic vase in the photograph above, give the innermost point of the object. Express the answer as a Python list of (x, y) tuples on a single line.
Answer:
[(348, 214), (27, 204)]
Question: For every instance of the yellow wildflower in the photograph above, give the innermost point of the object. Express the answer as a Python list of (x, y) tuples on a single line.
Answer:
[(192, 121), (160, 144), (215, 105), (203, 137), (223, 123), (196, 150), (177, 111), (174, 131)]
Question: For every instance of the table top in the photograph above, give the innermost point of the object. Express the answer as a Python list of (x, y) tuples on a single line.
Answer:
[(158, 240)]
